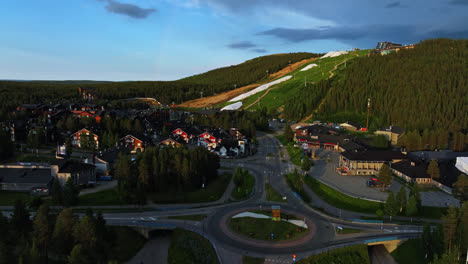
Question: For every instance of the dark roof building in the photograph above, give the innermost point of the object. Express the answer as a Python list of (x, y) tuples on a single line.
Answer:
[(24, 179)]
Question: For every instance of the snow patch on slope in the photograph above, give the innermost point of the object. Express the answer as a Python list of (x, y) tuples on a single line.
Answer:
[(310, 66), (332, 54), (260, 88), (233, 106)]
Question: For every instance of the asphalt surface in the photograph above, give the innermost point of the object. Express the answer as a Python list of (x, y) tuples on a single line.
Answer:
[(266, 166), (265, 169)]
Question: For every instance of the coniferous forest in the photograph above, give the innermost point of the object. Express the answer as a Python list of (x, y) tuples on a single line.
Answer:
[(424, 90), (13, 93), (424, 87)]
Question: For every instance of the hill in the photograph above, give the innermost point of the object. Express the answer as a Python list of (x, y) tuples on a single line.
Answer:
[(211, 82), (424, 87), (223, 97)]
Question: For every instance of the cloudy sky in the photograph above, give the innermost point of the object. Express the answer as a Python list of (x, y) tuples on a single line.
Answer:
[(170, 39)]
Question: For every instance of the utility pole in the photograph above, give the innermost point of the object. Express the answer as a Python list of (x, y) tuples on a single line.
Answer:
[(368, 110)]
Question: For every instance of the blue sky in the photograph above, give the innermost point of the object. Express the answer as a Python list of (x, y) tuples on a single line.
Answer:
[(170, 39)]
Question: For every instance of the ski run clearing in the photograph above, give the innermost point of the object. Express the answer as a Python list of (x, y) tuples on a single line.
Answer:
[(233, 106), (260, 88), (332, 54), (299, 223), (310, 66)]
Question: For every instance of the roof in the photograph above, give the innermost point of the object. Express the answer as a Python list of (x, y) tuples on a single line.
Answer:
[(74, 166), (112, 155), (374, 155), (351, 123), (21, 175), (394, 129), (438, 155), (412, 169), (319, 129)]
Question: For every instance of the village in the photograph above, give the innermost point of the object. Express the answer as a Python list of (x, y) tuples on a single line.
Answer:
[(82, 141)]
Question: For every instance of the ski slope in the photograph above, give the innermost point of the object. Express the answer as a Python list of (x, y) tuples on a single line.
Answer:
[(332, 54), (310, 66), (259, 89), (233, 106)]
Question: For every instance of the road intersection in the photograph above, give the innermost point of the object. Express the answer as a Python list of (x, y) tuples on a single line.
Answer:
[(266, 166)]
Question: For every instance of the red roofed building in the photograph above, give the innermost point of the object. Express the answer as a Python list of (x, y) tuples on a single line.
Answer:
[(76, 137)]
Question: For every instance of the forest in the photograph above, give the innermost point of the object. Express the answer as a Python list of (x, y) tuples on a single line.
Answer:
[(424, 89), (64, 237), (14, 93), (164, 170)]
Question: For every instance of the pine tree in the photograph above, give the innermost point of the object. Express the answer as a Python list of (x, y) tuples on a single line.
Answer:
[(433, 170), (62, 237), (70, 193), (412, 207), (84, 232), (57, 192), (385, 176), (401, 199), (391, 206), (288, 133), (20, 219), (42, 231), (460, 188), (449, 223)]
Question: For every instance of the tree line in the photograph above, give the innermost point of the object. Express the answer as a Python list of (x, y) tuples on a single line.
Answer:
[(64, 237), (164, 170), (447, 242), (14, 93)]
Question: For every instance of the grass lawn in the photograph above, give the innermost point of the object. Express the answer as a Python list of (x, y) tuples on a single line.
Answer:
[(198, 217), (9, 198), (295, 154), (127, 243), (252, 260), (272, 194), (243, 192), (261, 229), (410, 252), (213, 191), (345, 231), (302, 193), (356, 254), (269, 213), (190, 247), (106, 197), (341, 200)]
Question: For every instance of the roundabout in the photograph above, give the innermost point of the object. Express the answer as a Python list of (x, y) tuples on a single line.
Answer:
[(257, 225), (236, 232)]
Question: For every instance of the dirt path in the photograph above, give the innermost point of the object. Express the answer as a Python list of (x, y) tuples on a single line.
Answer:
[(223, 97), (258, 99)]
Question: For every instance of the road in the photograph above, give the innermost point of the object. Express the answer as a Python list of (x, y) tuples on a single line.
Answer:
[(266, 165)]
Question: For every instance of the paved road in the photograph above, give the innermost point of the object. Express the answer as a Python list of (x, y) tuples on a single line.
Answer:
[(230, 247)]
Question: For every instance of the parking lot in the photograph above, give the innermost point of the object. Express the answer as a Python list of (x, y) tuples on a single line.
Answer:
[(356, 185)]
